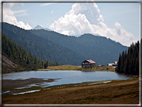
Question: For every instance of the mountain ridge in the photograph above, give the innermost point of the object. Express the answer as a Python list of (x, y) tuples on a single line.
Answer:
[(86, 45), (74, 49), (38, 27), (43, 49)]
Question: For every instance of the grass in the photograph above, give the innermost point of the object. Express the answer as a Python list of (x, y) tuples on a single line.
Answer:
[(116, 92), (71, 67), (76, 84), (64, 67), (103, 68)]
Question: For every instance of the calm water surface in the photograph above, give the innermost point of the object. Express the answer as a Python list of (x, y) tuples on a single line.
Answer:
[(67, 77)]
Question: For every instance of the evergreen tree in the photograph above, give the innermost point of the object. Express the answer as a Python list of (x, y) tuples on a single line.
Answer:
[(42, 63), (35, 60), (57, 64), (46, 64), (126, 71), (27, 62), (119, 64), (128, 62), (30, 56)]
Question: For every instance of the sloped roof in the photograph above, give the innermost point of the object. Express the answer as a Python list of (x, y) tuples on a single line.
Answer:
[(91, 61)]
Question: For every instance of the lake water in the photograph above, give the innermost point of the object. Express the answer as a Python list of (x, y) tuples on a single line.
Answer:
[(67, 77)]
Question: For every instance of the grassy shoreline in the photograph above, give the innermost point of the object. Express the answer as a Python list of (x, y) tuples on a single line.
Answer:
[(71, 67), (114, 92), (79, 68)]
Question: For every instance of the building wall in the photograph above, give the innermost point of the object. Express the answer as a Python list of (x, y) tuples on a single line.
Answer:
[(86, 64)]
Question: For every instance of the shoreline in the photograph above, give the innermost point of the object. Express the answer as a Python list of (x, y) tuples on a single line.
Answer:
[(72, 67), (76, 68), (20, 85), (116, 91)]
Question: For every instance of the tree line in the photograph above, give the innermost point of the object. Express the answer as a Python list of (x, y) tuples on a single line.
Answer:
[(19, 55), (128, 62)]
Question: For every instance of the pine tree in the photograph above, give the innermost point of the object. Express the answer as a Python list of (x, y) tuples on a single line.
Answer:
[(42, 63), (128, 62), (119, 64), (27, 62), (46, 64), (126, 71), (35, 60), (57, 64)]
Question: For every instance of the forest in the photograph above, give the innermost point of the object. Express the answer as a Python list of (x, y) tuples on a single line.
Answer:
[(65, 49), (18, 54), (128, 62)]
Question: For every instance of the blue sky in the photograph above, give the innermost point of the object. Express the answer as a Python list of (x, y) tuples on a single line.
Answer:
[(117, 21)]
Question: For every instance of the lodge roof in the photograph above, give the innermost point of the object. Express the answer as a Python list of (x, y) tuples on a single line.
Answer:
[(91, 61)]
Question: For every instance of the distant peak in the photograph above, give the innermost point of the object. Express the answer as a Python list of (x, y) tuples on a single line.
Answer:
[(38, 27)]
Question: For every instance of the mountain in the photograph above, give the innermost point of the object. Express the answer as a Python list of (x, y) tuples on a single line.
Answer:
[(15, 58), (64, 49), (41, 47), (98, 48), (38, 27)]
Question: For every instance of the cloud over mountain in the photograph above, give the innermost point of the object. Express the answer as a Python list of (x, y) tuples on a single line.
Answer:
[(86, 18), (9, 15)]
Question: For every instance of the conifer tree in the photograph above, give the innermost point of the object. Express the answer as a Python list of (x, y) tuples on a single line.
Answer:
[(128, 62), (46, 64), (35, 60), (27, 62)]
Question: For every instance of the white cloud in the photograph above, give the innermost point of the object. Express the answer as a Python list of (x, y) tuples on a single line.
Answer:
[(9, 15), (86, 18)]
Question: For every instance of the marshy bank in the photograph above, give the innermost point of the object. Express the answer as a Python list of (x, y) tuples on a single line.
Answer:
[(9, 87), (114, 92)]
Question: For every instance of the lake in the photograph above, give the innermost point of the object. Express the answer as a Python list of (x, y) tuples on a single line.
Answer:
[(66, 77)]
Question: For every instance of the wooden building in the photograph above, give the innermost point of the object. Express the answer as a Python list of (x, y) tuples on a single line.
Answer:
[(88, 64)]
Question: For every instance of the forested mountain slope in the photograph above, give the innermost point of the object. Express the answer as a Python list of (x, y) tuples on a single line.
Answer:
[(40, 47), (55, 47), (15, 58), (97, 48)]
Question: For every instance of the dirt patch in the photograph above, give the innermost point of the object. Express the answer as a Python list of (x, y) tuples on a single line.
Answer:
[(116, 92), (7, 62)]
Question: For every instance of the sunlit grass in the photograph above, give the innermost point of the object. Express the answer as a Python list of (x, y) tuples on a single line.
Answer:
[(71, 67)]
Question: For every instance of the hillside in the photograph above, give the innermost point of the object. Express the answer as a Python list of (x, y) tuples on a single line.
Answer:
[(65, 49), (15, 58), (100, 49), (40, 47)]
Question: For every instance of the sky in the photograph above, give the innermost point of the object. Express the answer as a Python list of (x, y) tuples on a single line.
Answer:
[(117, 21)]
